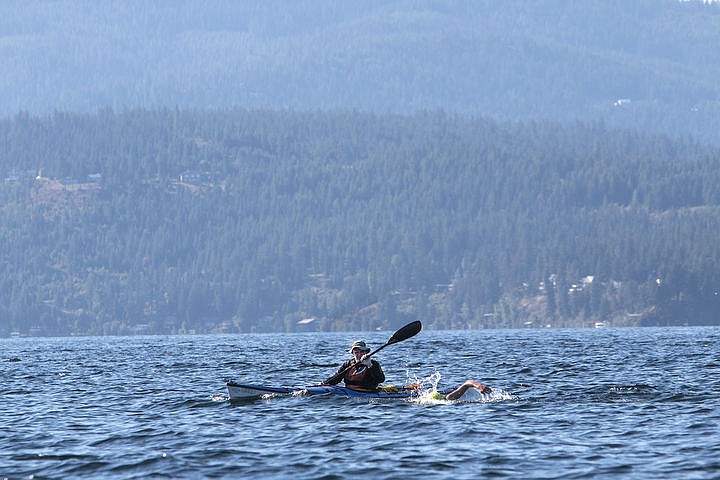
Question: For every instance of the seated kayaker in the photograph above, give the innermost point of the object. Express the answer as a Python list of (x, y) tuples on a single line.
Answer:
[(360, 372)]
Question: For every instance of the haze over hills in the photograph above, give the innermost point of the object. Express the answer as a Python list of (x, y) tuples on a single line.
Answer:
[(229, 166), (645, 64)]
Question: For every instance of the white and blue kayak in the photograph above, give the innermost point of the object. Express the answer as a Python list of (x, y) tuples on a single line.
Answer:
[(241, 391)]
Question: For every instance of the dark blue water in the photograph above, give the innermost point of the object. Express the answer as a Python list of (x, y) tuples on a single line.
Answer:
[(605, 403)]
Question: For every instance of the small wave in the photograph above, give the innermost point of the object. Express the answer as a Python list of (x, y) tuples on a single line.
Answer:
[(632, 388), (48, 457), (18, 392), (87, 467), (633, 393), (212, 401), (469, 356)]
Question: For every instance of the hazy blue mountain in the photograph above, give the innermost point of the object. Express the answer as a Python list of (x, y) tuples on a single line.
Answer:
[(645, 64)]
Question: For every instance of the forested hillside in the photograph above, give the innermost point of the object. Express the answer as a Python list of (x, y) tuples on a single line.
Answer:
[(651, 65), (174, 220)]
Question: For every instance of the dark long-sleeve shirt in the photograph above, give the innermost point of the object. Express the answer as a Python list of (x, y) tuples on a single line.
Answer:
[(358, 376)]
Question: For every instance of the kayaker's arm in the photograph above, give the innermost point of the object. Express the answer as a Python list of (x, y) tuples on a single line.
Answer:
[(338, 376), (376, 374)]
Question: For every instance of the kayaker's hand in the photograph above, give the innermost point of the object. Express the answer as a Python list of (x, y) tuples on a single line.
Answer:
[(365, 360)]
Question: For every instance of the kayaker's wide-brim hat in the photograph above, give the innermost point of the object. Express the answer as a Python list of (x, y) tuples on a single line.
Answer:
[(359, 344)]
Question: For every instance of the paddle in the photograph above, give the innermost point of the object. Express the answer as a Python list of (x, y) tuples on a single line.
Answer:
[(409, 330)]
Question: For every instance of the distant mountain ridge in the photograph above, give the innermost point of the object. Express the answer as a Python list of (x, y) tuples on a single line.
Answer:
[(647, 64)]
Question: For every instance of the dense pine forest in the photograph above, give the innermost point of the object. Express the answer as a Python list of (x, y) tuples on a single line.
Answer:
[(170, 221)]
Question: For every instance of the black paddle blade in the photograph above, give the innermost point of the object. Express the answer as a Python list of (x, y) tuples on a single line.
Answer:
[(409, 330)]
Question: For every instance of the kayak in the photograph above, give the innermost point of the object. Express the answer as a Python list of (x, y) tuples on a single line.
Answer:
[(242, 391)]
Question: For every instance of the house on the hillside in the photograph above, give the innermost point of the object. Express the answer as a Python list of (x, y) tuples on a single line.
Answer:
[(190, 176)]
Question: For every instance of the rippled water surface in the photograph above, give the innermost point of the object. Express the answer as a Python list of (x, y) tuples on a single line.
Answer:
[(605, 403)]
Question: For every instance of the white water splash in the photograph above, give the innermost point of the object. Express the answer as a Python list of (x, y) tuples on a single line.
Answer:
[(428, 392), (425, 385)]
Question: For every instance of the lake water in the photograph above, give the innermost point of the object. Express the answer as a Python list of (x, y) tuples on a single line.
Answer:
[(593, 403)]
